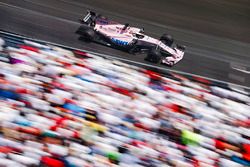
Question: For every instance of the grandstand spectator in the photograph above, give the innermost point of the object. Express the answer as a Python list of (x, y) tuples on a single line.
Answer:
[(58, 110)]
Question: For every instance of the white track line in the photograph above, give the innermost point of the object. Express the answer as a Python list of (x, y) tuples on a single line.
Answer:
[(241, 70)]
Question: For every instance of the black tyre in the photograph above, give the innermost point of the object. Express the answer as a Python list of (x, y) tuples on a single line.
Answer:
[(133, 50), (153, 56), (86, 33), (167, 39)]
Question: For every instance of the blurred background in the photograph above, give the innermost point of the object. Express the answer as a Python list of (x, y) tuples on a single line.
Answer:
[(67, 107)]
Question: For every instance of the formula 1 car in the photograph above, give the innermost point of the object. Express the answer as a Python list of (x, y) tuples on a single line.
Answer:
[(100, 29)]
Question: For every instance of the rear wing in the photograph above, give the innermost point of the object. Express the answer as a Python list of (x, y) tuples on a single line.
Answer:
[(88, 18)]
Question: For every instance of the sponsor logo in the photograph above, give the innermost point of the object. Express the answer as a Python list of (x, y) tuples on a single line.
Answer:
[(119, 42)]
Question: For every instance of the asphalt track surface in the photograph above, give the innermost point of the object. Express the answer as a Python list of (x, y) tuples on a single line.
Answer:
[(216, 33)]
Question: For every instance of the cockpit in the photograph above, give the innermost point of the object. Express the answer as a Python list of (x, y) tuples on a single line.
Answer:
[(139, 36)]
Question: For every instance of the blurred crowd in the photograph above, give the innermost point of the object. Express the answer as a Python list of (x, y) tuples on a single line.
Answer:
[(64, 108)]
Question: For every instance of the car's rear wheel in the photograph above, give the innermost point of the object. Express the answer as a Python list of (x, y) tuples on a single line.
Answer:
[(167, 39), (153, 56), (86, 33)]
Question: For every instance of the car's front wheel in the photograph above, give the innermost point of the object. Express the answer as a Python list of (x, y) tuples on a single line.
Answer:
[(153, 56), (167, 39)]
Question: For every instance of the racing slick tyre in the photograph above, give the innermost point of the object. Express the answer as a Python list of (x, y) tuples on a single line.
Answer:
[(153, 56), (86, 33), (167, 39), (134, 50)]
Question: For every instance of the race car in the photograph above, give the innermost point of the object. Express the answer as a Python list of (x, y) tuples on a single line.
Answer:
[(100, 29)]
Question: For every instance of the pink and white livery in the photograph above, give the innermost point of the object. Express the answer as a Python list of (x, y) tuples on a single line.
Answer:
[(131, 39)]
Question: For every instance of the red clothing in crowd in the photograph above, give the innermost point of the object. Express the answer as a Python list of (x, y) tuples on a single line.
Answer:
[(30, 48), (52, 162), (219, 144), (153, 75)]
